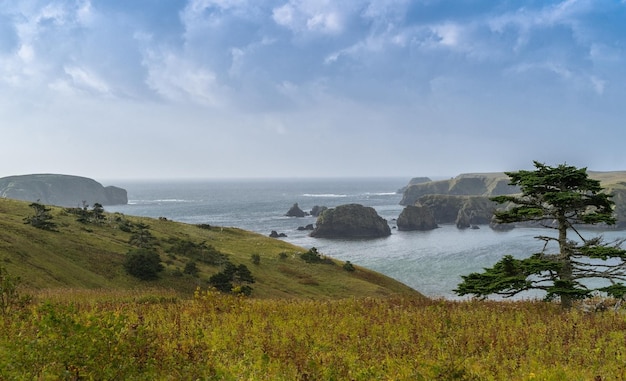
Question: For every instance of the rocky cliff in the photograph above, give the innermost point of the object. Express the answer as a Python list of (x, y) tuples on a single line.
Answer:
[(61, 190), (472, 184), (464, 200)]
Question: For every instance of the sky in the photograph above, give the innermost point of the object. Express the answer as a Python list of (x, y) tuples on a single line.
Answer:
[(182, 89)]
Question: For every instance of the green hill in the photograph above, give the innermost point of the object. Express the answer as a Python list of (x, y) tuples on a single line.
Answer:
[(91, 256)]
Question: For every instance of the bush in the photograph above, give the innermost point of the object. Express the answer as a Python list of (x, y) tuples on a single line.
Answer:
[(10, 299), (233, 279), (348, 266), (42, 218), (191, 268), (313, 256), (256, 259), (144, 264), (200, 252)]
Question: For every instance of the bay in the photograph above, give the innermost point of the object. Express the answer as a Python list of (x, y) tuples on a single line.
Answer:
[(431, 262)]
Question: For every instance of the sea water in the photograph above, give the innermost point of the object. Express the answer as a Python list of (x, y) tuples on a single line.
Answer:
[(431, 262)]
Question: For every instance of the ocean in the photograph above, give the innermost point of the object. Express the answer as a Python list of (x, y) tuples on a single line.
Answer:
[(431, 262)]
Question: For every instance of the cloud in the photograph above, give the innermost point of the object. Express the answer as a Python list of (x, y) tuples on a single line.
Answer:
[(180, 80), (313, 17)]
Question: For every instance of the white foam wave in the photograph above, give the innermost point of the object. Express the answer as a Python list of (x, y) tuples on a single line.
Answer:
[(327, 195)]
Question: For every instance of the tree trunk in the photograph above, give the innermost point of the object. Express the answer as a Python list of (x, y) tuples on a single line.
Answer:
[(566, 272)]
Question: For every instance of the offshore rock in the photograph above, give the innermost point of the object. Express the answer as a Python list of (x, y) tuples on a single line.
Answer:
[(275, 234), (61, 190), (295, 211), (416, 218), (351, 221)]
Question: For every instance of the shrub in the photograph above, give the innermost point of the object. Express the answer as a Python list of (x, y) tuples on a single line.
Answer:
[(348, 266), (198, 251), (256, 259), (233, 279), (144, 264), (313, 256), (191, 268), (42, 218), (9, 296)]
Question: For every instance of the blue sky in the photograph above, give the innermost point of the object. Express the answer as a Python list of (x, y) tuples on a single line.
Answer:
[(114, 89)]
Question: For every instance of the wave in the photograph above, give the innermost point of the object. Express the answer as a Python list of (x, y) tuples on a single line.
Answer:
[(327, 195), (381, 194), (159, 201)]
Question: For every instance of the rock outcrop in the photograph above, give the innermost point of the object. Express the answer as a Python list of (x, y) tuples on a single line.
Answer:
[(413, 181), (463, 211), (351, 221), (61, 190), (449, 203), (416, 218), (487, 184), (295, 211)]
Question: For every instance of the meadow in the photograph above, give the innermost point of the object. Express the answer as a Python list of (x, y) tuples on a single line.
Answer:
[(158, 335)]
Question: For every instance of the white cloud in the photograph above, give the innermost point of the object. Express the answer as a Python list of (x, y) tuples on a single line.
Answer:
[(448, 33), (82, 79), (311, 16), (175, 78), (598, 85)]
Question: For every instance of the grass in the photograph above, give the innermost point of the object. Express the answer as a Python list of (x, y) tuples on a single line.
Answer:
[(152, 334), (91, 256)]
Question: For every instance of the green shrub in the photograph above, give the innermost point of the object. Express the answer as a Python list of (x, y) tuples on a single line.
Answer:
[(348, 266), (256, 259), (144, 264)]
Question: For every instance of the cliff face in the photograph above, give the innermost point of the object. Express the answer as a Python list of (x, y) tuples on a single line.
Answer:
[(60, 190), (464, 200), (487, 184)]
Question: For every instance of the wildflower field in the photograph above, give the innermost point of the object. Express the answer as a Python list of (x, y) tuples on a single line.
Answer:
[(157, 335)]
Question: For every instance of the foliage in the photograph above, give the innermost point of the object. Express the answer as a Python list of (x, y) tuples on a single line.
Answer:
[(42, 218), (144, 264), (191, 268), (10, 298), (101, 336), (313, 256), (256, 259), (348, 266), (201, 252), (141, 237), (561, 198), (233, 279), (84, 215), (79, 257)]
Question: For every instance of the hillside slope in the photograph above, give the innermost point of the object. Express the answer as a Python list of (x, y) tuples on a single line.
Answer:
[(91, 255), (62, 190)]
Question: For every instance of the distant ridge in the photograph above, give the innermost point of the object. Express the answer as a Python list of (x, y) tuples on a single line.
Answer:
[(60, 190)]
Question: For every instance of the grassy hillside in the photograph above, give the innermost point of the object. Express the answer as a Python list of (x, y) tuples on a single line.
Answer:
[(91, 255)]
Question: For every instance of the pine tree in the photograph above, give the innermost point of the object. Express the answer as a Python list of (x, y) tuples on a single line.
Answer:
[(562, 198)]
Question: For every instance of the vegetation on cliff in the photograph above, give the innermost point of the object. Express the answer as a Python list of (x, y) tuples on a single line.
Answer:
[(88, 252), (62, 190)]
